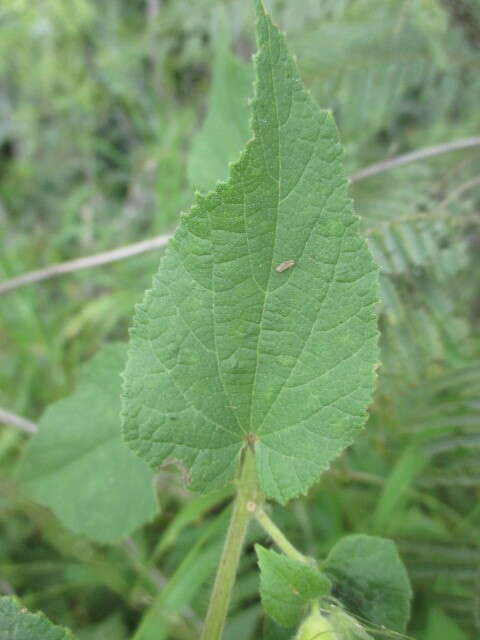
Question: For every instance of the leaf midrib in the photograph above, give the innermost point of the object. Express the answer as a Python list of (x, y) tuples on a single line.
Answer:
[(278, 181)]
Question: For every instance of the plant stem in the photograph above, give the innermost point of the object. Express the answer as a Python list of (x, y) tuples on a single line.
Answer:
[(277, 536), (227, 569)]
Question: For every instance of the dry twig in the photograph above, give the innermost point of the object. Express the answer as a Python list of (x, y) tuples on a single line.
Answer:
[(159, 241), (414, 156), (61, 268), (13, 420)]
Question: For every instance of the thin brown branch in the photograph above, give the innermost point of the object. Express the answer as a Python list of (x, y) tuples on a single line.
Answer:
[(7, 417), (137, 248), (87, 262), (414, 156)]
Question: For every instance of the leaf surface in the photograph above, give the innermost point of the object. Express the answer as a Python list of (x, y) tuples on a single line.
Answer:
[(286, 586), (225, 349), (78, 465), (370, 579), (16, 623)]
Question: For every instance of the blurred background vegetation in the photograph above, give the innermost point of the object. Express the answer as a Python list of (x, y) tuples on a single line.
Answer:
[(104, 135)]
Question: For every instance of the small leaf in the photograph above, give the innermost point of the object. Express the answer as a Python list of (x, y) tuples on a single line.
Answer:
[(286, 586), (227, 351), (16, 623), (370, 579), (78, 465)]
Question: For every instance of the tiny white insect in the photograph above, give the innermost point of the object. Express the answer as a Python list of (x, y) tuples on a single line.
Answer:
[(283, 266)]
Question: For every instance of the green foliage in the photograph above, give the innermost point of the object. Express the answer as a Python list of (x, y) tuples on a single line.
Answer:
[(287, 586), (225, 335), (225, 129), (370, 579), (77, 464), (397, 487), (101, 106), (111, 629), (441, 627), (197, 565), (16, 623)]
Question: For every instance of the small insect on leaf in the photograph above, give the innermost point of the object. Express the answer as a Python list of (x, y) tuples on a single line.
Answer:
[(283, 266)]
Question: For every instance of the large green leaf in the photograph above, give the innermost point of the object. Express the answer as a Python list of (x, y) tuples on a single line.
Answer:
[(16, 623), (228, 348), (370, 579), (287, 586), (77, 464)]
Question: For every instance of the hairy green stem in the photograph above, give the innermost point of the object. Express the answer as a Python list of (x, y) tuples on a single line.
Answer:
[(277, 536), (227, 569)]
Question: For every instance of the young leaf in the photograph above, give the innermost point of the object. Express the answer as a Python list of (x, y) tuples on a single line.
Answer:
[(286, 586), (370, 579), (16, 623), (225, 349), (77, 464)]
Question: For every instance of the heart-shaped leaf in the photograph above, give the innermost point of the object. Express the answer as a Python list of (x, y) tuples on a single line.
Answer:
[(260, 326)]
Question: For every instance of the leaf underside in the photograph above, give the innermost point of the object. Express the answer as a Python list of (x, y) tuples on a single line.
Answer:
[(225, 349)]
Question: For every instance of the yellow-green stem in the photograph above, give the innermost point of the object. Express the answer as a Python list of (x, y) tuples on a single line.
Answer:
[(227, 569), (277, 536)]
